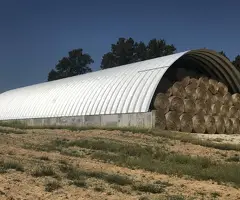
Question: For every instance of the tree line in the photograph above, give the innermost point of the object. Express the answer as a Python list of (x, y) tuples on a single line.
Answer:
[(124, 51)]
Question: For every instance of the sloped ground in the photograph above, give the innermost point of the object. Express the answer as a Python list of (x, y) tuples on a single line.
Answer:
[(102, 164)]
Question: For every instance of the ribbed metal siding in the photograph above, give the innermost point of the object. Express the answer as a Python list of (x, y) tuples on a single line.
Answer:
[(124, 89)]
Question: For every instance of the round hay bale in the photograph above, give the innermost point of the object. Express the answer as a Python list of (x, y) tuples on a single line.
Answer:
[(236, 125), (214, 99), (220, 124), (169, 92), (176, 104), (160, 120), (190, 91), (224, 110), (201, 93), (227, 99), (185, 81), (238, 114), (203, 82), (161, 102), (189, 106), (215, 108), (210, 124), (236, 100), (222, 88), (186, 122), (178, 90), (198, 124), (232, 112), (228, 125), (208, 105), (172, 121), (219, 97), (193, 82), (213, 86), (209, 96), (200, 106)]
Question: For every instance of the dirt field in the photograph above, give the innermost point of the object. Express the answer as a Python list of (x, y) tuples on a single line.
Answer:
[(101, 164)]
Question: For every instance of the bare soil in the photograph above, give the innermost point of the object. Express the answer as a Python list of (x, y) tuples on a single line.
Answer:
[(19, 185)]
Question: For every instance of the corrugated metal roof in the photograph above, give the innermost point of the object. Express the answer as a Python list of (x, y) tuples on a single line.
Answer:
[(124, 89)]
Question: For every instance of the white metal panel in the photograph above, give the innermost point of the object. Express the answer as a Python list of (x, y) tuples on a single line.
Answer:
[(124, 89)]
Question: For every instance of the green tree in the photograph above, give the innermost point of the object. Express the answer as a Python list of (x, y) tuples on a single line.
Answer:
[(76, 63), (223, 53), (236, 62), (127, 51), (157, 48)]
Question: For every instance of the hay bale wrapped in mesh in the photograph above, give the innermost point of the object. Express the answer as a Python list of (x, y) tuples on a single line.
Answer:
[(201, 93), (224, 110), (161, 102), (200, 106), (227, 99), (169, 92), (185, 81), (198, 124), (236, 125), (178, 90), (232, 112), (208, 105), (219, 97), (209, 96), (238, 114), (213, 86), (236, 100), (186, 122), (228, 125), (193, 82), (189, 106), (220, 124), (215, 108), (210, 124), (222, 88), (160, 120), (203, 82), (176, 104), (172, 121), (190, 91)]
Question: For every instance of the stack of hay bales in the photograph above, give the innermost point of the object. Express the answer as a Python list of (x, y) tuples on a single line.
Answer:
[(198, 105)]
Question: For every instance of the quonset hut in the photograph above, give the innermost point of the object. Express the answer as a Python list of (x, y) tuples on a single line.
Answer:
[(120, 96)]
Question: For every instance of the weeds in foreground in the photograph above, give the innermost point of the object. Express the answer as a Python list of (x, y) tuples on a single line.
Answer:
[(151, 188), (46, 158), (78, 174), (183, 137), (175, 197), (215, 194), (99, 188), (198, 167), (10, 164), (14, 131), (189, 138), (80, 183), (52, 185), (235, 158), (43, 171)]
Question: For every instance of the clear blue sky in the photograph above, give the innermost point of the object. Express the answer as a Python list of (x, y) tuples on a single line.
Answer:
[(35, 34)]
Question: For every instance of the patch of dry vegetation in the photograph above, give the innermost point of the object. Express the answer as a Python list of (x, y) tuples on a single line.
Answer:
[(123, 165)]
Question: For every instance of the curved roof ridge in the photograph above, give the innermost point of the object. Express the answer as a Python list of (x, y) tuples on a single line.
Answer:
[(124, 89)]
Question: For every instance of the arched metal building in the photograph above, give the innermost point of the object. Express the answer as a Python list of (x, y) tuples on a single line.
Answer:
[(127, 89)]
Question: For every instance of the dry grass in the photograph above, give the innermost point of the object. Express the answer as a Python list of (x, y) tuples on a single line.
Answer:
[(43, 171), (52, 185), (119, 164), (10, 164)]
